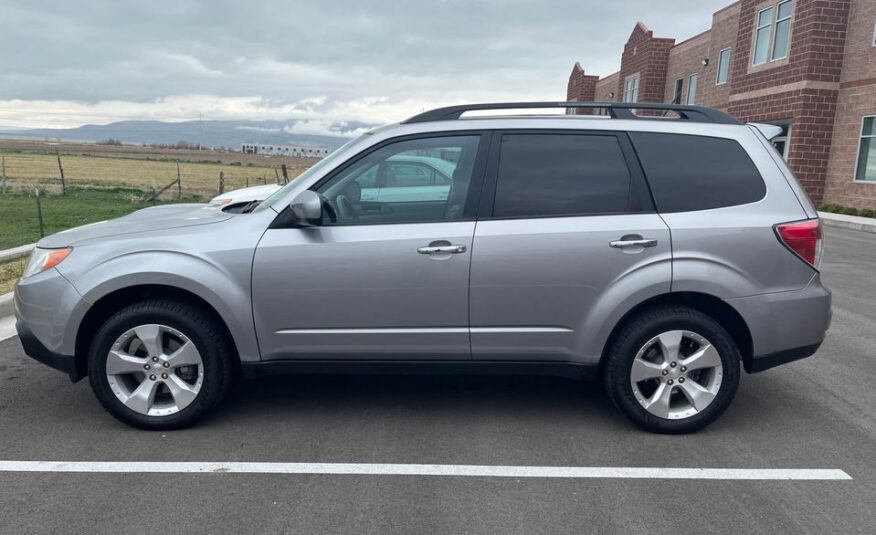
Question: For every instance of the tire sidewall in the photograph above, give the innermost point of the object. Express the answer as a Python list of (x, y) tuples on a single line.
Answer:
[(625, 352), (160, 313)]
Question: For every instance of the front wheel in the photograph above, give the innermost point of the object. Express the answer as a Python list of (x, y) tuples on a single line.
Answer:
[(159, 364), (672, 369)]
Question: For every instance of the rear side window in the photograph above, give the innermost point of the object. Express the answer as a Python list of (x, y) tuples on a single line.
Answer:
[(544, 175), (688, 173)]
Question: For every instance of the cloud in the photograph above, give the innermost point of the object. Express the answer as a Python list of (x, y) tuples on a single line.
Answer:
[(68, 63)]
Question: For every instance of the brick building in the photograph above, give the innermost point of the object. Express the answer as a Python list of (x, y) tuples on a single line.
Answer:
[(806, 65)]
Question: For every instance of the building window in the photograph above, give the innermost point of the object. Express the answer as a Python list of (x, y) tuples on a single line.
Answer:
[(631, 89), (782, 141), (692, 88), (679, 90), (866, 169), (723, 67), (772, 33)]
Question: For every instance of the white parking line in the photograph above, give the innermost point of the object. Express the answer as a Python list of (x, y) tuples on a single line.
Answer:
[(569, 472), (7, 327)]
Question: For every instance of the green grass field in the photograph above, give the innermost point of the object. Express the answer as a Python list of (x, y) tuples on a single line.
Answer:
[(19, 223)]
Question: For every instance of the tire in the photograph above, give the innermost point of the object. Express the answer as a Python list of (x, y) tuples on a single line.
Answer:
[(696, 397), (171, 362)]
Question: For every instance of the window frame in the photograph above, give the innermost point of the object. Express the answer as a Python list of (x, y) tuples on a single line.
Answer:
[(771, 36), (688, 100), (769, 39), (679, 90), (285, 218), (861, 137), (639, 190), (775, 32), (718, 69)]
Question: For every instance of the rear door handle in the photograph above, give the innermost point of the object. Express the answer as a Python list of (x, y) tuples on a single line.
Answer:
[(621, 244), (433, 249)]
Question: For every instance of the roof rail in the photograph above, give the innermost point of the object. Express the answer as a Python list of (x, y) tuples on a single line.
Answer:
[(616, 110)]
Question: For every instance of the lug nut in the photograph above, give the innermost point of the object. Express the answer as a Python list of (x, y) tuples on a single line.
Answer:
[(166, 365), (164, 376), (152, 377), (665, 372), (681, 379), (154, 359), (147, 367), (684, 368), (669, 382), (673, 364)]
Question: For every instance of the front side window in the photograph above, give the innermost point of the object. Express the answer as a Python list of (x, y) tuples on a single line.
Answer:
[(866, 169), (546, 175), (692, 88), (408, 181), (723, 67), (631, 89)]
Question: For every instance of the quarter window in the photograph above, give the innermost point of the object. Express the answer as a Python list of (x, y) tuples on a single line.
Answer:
[(544, 175), (688, 173), (723, 67), (866, 169)]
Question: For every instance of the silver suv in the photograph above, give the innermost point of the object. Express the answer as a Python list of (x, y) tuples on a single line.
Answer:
[(659, 254)]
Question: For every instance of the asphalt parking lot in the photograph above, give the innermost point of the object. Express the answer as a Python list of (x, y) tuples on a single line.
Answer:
[(819, 413)]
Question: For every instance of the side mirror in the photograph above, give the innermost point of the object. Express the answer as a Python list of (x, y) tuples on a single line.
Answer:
[(306, 207)]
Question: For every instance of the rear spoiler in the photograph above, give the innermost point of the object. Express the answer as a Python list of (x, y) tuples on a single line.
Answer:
[(769, 131)]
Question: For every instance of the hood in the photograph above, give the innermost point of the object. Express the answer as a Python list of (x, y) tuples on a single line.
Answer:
[(154, 218)]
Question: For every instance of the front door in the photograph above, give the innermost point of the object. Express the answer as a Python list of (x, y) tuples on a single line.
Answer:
[(386, 276)]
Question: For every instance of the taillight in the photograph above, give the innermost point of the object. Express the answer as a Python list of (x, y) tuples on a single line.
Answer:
[(804, 238)]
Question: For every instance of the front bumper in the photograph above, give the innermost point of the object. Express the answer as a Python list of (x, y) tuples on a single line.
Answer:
[(37, 351)]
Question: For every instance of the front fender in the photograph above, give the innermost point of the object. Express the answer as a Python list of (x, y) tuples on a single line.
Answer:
[(227, 292)]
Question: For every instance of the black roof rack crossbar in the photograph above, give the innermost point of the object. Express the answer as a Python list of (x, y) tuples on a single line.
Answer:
[(615, 110)]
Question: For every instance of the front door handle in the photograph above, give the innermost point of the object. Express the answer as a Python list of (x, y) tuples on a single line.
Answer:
[(441, 249), (621, 244)]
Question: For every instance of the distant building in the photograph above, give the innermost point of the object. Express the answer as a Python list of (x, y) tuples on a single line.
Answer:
[(808, 66), (284, 150)]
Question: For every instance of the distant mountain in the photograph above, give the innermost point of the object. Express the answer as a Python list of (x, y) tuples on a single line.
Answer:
[(209, 133)]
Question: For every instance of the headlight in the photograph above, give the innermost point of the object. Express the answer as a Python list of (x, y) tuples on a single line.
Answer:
[(221, 202), (43, 259)]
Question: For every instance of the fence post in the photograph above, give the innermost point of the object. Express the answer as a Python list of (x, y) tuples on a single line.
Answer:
[(4, 174), (247, 181), (265, 179), (178, 182), (221, 182), (61, 169), (285, 174), (40, 213), (277, 175)]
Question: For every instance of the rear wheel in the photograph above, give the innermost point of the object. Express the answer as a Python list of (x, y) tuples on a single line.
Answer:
[(672, 370), (160, 364)]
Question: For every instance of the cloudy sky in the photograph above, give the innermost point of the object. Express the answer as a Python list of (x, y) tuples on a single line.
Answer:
[(64, 64)]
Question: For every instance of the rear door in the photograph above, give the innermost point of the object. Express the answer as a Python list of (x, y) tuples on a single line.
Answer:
[(567, 233)]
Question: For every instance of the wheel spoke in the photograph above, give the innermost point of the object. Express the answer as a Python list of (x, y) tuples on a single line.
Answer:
[(670, 345), (642, 370), (152, 339), (698, 396), (186, 355), (182, 392), (143, 396), (118, 363), (658, 404), (705, 357)]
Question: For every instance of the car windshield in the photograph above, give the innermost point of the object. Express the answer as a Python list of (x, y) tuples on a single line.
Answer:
[(280, 193)]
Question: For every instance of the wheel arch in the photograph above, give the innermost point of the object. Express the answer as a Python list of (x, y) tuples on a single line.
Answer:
[(112, 302), (711, 306)]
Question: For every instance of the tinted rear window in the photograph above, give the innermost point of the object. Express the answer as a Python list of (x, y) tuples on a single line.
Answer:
[(561, 174), (688, 173)]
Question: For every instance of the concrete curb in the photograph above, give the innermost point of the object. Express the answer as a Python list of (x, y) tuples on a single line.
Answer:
[(864, 224), (16, 252), (6, 308)]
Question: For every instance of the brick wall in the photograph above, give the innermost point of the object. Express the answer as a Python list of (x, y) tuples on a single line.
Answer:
[(606, 88), (686, 58), (581, 88), (646, 56)]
